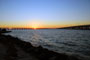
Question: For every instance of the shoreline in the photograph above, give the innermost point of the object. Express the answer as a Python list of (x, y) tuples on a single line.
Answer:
[(14, 45)]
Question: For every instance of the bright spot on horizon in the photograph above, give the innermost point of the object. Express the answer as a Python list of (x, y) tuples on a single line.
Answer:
[(35, 24), (35, 27)]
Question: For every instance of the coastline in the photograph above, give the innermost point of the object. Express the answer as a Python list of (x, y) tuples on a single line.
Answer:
[(11, 48)]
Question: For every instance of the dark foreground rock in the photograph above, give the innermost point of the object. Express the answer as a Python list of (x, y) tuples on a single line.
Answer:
[(12, 48), (4, 31)]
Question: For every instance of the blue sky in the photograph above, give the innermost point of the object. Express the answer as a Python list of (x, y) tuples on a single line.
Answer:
[(49, 12)]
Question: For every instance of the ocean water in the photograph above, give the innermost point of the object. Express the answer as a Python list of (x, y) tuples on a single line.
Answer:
[(58, 40)]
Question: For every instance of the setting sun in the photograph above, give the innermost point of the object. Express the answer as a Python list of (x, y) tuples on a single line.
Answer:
[(35, 27), (35, 24)]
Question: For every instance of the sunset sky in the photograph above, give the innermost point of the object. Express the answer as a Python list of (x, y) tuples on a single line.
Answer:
[(44, 13)]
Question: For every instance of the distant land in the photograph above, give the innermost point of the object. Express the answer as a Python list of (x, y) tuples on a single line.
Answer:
[(79, 27), (25, 28)]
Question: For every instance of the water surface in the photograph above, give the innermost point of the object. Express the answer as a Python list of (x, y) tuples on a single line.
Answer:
[(58, 40)]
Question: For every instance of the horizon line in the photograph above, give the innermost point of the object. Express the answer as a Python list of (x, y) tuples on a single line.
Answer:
[(39, 28)]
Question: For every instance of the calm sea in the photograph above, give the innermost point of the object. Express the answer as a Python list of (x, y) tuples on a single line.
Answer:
[(58, 40)]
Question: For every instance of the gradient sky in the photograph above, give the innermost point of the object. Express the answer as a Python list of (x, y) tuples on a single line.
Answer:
[(44, 13)]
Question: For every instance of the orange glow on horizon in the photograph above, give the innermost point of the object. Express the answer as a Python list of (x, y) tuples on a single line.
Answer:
[(37, 25), (34, 27)]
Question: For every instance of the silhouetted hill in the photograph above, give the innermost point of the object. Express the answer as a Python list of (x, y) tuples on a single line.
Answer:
[(79, 27)]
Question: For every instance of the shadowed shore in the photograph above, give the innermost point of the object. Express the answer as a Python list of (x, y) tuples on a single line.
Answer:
[(12, 48)]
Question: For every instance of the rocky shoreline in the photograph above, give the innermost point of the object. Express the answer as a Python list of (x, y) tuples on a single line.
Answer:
[(12, 48)]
